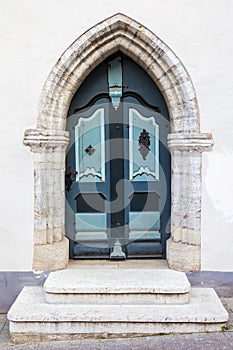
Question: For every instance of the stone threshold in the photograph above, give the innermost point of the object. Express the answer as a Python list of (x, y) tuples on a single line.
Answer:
[(117, 286)]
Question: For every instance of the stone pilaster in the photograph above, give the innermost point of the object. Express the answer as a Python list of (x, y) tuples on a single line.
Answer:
[(184, 246), (50, 245)]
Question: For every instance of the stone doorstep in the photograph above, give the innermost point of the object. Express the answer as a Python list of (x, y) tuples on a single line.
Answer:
[(117, 281), (159, 264), (31, 315), (110, 302), (117, 286)]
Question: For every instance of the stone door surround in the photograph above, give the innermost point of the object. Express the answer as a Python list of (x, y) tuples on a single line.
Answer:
[(49, 140)]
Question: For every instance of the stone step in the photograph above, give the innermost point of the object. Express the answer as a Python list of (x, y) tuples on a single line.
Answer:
[(117, 286), (32, 319)]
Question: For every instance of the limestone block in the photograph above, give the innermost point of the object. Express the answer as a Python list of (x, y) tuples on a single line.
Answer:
[(40, 236), (183, 257), (135, 280), (186, 235), (119, 286), (50, 257), (196, 141), (58, 233), (120, 298)]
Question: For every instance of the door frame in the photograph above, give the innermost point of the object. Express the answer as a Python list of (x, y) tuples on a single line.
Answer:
[(49, 140)]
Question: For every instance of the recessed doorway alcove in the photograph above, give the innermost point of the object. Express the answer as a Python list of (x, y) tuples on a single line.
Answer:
[(50, 139)]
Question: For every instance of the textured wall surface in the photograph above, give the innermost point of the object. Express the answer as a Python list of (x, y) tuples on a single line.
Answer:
[(34, 35)]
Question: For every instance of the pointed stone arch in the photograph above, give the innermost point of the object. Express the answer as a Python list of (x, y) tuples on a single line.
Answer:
[(119, 32), (49, 140)]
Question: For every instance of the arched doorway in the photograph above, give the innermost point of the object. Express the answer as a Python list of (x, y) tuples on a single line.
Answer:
[(49, 140), (118, 165)]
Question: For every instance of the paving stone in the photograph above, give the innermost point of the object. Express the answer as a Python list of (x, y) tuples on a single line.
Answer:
[(113, 344), (214, 341), (229, 338), (3, 319), (228, 303), (4, 329), (222, 282)]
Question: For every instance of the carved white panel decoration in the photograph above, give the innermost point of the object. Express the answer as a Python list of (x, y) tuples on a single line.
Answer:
[(143, 147), (90, 147)]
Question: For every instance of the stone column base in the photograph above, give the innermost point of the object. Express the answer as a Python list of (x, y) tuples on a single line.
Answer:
[(51, 257), (183, 257)]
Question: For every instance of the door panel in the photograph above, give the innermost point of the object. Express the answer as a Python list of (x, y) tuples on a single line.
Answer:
[(143, 147), (90, 167), (90, 147), (144, 224), (87, 201)]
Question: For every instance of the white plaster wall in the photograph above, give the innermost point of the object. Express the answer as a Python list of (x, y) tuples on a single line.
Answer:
[(33, 35)]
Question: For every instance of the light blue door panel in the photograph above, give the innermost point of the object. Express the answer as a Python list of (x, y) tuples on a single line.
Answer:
[(90, 222), (90, 147), (144, 156), (144, 221)]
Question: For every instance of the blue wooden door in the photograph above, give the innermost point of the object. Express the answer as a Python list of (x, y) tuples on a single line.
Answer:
[(118, 166)]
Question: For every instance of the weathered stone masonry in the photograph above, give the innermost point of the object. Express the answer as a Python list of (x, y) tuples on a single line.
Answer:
[(49, 140)]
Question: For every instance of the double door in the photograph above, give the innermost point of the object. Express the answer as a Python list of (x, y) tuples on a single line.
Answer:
[(117, 179)]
